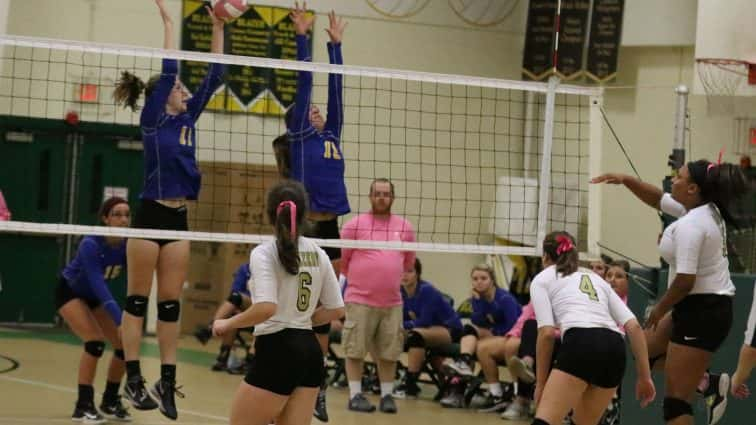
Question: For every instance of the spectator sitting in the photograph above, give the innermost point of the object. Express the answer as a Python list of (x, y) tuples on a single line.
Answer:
[(429, 321)]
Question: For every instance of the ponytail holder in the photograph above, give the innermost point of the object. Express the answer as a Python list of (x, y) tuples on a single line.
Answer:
[(719, 162), (565, 244), (292, 216)]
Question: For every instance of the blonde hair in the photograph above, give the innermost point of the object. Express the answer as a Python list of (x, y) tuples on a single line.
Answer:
[(483, 267)]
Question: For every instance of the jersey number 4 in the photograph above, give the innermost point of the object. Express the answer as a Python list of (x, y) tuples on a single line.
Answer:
[(304, 292), (586, 287)]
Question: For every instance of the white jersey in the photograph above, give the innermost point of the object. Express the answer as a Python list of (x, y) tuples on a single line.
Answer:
[(295, 296), (697, 244), (580, 300)]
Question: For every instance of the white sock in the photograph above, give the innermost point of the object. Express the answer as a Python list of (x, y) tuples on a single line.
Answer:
[(495, 389), (387, 388), (355, 387)]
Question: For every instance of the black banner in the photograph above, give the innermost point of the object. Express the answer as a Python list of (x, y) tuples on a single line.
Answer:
[(248, 36), (573, 26), (262, 31), (604, 42), (538, 57), (197, 31)]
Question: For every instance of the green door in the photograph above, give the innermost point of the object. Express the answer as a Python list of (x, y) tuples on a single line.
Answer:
[(32, 178), (107, 160), (37, 160)]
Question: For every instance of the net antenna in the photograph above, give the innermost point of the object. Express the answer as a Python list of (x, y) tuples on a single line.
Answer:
[(723, 79)]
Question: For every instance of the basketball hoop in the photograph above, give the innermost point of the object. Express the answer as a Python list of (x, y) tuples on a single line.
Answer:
[(722, 79)]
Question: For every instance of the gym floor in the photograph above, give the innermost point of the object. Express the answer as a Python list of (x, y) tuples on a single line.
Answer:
[(38, 382)]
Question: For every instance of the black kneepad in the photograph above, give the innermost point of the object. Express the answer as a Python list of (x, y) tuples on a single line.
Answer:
[(94, 348), (168, 311), (674, 407), (537, 421), (136, 305), (322, 329), (415, 340), (119, 354), (469, 329), (236, 299)]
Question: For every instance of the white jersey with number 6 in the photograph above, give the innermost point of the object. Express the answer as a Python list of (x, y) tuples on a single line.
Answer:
[(296, 296), (580, 300)]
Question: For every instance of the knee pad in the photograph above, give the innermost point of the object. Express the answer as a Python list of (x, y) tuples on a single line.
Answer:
[(469, 329), (136, 305), (168, 311), (236, 299), (674, 407), (322, 329), (538, 421), (120, 354), (415, 340), (94, 348)]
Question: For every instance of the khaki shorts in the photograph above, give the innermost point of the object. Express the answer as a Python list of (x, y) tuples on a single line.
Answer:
[(373, 330)]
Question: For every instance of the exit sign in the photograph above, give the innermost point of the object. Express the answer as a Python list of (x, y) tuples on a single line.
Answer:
[(88, 93)]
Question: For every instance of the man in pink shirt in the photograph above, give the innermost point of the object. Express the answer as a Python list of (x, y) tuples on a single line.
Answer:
[(373, 297)]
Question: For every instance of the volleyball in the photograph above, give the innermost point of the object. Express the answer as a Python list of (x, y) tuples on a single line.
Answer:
[(228, 10)]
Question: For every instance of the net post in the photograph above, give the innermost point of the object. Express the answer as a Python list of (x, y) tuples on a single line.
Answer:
[(595, 141), (544, 187), (681, 114)]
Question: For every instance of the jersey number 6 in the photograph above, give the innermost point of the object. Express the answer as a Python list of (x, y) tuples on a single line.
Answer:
[(303, 293)]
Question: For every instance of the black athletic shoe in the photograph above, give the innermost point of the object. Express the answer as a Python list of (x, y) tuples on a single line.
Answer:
[(87, 415), (406, 390), (716, 397), (388, 405), (203, 334), (321, 409), (114, 410), (219, 366), (135, 392), (359, 403), (165, 392), (493, 404)]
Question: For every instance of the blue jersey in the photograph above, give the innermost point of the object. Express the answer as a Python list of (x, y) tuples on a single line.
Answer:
[(499, 315), (241, 277), (428, 307), (170, 141), (316, 158), (94, 264)]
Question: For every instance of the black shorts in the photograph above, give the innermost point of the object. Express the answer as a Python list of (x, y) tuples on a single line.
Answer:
[(64, 294), (595, 355), (455, 334), (702, 321), (154, 215), (328, 229), (286, 360)]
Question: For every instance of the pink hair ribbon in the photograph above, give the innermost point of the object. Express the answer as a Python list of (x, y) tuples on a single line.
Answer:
[(292, 216), (719, 162), (565, 244)]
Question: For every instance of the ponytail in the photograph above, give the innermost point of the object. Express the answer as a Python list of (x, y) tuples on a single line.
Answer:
[(286, 208), (719, 183), (130, 87), (560, 248), (287, 237)]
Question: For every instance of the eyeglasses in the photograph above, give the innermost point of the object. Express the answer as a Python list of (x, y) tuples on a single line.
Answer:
[(115, 214)]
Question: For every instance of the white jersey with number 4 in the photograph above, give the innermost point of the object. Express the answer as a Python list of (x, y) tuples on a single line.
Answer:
[(295, 296), (580, 300)]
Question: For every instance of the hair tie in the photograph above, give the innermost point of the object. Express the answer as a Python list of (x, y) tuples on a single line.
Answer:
[(565, 244), (292, 216), (713, 165)]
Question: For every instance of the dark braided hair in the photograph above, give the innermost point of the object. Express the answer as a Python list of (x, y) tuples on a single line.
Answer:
[(720, 184)]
